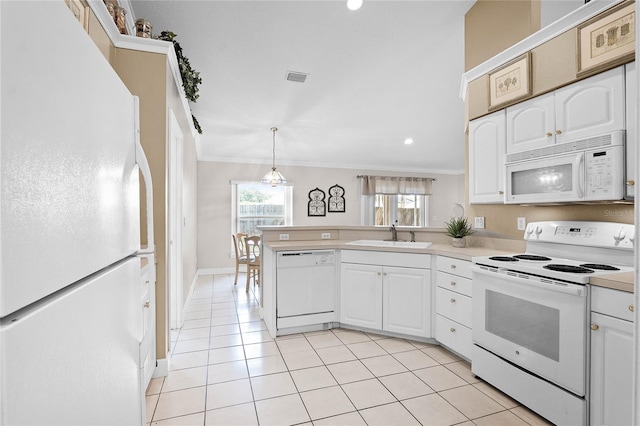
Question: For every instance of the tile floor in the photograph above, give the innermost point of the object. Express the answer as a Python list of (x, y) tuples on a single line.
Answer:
[(227, 370)]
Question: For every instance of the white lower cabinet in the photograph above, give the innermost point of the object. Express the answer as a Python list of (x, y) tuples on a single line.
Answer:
[(611, 357), (386, 291), (453, 305)]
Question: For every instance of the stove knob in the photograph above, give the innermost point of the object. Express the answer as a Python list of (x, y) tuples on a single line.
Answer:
[(538, 230), (529, 231), (619, 236)]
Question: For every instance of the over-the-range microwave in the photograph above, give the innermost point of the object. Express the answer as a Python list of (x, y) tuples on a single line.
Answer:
[(583, 170)]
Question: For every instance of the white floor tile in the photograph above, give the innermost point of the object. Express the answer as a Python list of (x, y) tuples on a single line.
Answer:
[(415, 359), (228, 393), (256, 337), (347, 372), (283, 410), (335, 354), (228, 354), (395, 345), (389, 414), (272, 385), (439, 378), (471, 402), (313, 378), (266, 365), (405, 385), (257, 350), (368, 393), (349, 419), (180, 403), (225, 341), (299, 360), (188, 420), (236, 415), (186, 378), (222, 330), (366, 349), (189, 360), (326, 402), (293, 345), (227, 371), (433, 410), (383, 365)]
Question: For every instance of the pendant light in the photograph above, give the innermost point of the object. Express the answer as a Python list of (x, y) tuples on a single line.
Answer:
[(274, 178)]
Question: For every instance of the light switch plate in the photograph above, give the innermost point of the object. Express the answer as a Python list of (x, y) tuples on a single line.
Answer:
[(479, 222), (284, 237), (522, 223)]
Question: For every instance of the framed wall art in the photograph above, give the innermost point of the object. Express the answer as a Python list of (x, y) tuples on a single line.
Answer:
[(336, 199), (317, 206), (510, 82), (607, 41)]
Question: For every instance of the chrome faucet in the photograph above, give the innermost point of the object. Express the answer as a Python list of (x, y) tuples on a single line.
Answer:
[(394, 233), (413, 236)]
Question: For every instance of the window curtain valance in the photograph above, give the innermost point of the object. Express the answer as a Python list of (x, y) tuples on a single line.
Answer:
[(372, 185)]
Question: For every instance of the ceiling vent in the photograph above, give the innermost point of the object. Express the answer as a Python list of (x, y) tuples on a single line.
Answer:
[(298, 77)]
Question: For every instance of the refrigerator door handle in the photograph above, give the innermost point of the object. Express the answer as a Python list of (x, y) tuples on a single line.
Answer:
[(141, 160)]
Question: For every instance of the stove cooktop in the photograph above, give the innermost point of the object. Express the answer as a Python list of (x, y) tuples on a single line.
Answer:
[(577, 271)]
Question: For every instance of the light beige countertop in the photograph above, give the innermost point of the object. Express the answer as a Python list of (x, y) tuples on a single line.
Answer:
[(623, 281), (619, 281)]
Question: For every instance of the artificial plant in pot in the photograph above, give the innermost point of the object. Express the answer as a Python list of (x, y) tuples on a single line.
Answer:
[(458, 228)]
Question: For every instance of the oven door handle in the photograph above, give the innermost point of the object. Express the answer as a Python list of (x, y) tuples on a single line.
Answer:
[(542, 283)]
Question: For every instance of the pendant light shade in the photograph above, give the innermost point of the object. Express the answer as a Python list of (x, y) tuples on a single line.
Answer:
[(273, 177)]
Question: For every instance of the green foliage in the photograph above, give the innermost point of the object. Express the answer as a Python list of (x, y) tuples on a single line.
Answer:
[(458, 227), (190, 77), (253, 196)]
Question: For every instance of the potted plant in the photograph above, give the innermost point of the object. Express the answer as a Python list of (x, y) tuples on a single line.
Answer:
[(458, 228)]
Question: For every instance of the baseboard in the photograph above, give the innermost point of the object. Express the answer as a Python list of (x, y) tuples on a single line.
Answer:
[(162, 367)]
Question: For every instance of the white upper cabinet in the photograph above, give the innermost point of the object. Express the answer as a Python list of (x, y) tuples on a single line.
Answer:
[(487, 137), (531, 124), (590, 107)]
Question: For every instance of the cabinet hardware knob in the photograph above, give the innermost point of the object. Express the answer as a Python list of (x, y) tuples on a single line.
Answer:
[(558, 132), (147, 304), (453, 266), (594, 327), (549, 134), (452, 300), (453, 330), (453, 283), (379, 273), (501, 192), (146, 281), (631, 308), (384, 274), (631, 182), (517, 352)]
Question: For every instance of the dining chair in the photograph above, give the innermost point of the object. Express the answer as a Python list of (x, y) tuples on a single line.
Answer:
[(240, 246), (252, 245)]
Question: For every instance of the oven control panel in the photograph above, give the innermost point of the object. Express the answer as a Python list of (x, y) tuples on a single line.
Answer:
[(593, 234)]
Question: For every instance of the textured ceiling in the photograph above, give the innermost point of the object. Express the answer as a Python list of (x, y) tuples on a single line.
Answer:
[(376, 76)]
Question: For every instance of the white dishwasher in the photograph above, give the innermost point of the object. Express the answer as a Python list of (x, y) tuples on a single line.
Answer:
[(306, 288)]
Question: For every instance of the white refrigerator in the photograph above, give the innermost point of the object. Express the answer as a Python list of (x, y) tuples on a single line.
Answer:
[(70, 161)]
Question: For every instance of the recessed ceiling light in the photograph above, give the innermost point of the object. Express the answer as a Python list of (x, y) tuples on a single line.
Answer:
[(408, 141), (354, 4)]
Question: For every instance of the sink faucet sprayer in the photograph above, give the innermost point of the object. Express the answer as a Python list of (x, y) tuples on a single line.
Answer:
[(413, 236)]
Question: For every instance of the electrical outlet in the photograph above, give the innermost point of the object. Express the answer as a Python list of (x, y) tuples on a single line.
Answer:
[(522, 223), (326, 235), (479, 222), (284, 237)]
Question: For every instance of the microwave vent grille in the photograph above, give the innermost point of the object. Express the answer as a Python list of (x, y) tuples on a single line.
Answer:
[(578, 145)]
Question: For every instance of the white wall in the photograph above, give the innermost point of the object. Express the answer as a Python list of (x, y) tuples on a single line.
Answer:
[(214, 201)]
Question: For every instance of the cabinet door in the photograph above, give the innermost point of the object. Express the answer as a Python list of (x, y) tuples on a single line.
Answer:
[(611, 366), (591, 107), (486, 158), (361, 295), (631, 84), (406, 301), (531, 124)]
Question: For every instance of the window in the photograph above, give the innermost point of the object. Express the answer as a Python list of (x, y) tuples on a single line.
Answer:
[(256, 204), (387, 200), (400, 209)]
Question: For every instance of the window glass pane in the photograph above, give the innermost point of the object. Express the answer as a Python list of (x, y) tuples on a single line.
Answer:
[(259, 205), (409, 210)]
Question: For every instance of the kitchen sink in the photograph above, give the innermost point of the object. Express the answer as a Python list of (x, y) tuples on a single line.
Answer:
[(389, 243)]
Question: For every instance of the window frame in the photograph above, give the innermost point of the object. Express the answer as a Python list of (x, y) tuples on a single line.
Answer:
[(368, 210), (288, 202)]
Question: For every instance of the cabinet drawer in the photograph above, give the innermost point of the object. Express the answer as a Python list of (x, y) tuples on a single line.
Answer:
[(454, 306), (615, 303), (454, 266), (453, 335), (386, 258), (454, 283)]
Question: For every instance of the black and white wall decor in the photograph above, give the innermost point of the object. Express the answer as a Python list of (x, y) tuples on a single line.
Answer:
[(317, 206), (336, 199)]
